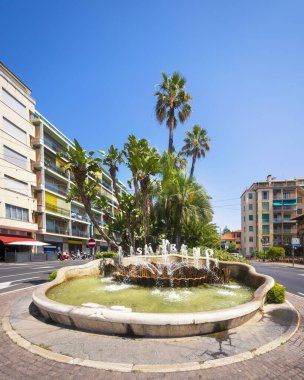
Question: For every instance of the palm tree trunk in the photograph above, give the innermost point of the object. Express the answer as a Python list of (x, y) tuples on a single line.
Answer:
[(171, 127), (193, 165)]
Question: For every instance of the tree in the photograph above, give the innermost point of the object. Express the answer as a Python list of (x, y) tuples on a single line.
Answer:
[(226, 230), (196, 145), (86, 170), (232, 247), (172, 98), (112, 159)]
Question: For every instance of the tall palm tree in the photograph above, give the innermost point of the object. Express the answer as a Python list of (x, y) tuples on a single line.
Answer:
[(196, 145), (112, 159), (172, 98)]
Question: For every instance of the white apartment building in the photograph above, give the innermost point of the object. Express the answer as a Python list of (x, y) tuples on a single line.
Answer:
[(267, 210), (17, 181)]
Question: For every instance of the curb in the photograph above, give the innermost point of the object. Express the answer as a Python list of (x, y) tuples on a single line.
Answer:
[(144, 368)]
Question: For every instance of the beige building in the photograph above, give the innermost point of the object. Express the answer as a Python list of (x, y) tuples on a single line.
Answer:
[(267, 212), (17, 181), (66, 226), (33, 186)]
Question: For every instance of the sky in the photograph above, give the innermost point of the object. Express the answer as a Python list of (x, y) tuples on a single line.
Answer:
[(93, 67)]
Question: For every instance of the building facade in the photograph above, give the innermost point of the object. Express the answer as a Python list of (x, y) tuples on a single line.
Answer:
[(267, 212), (18, 204), (66, 226), (232, 237), (33, 185)]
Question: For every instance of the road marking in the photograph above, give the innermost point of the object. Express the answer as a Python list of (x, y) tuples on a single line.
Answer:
[(4, 285), (300, 274), (21, 274), (301, 294), (19, 290)]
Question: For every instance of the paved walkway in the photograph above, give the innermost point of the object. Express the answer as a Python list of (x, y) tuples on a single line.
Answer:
[(285, 362)]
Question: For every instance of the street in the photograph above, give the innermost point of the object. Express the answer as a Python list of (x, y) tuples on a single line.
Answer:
[(26, 275), (291, 278)]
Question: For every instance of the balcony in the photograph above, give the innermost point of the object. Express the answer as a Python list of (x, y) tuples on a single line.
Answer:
[(57, 210), (52, 166), (106, 185), (80, 233), (58, 230), (36, 142), (283, 220), (80, 217), (52, 144)]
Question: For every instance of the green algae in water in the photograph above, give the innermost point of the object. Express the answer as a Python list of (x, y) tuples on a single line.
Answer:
[(108, 292)]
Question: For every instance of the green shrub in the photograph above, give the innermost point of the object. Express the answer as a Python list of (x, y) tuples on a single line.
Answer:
[(105, 255), (226, 256), (276, 294), (52, 275), (275, 252)]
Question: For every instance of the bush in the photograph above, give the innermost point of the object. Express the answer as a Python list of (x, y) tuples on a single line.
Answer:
[(105, 255), (275, 252), (52, 275), (276, 294), (226, 256)]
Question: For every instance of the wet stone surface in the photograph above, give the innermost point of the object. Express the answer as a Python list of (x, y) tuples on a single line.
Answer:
[(260, 330)]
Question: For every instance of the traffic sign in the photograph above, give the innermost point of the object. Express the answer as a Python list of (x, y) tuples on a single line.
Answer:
[(92, 243), (295, 242)]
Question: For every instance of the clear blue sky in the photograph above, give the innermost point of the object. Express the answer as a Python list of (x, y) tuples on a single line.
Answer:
[(93, 66)]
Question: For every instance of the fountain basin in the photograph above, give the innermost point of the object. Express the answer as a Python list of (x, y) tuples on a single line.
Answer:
[(122, 321)]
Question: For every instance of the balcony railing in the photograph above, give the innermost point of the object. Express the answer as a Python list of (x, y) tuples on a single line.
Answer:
[(51, 144), (80, 233), (283, 220), (57, 210), (58, 230), (76, 215), (55, 189), (105, 184), (50, 165)]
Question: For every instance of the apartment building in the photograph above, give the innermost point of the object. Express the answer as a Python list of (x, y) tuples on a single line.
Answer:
[(232, 237), (33, 186), (267, 212), (65, 226), (18, 205)]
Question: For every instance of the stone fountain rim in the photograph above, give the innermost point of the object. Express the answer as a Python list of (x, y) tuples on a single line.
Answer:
[(105, 314)]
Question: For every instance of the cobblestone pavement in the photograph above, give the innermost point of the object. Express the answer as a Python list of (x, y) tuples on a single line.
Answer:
[(285, 362)]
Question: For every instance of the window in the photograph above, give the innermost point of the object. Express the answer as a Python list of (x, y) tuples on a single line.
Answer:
[(265, 229), (265, 218), (299, 211), (286, 195), (13, 103), (265, 240), (265, 206), (250, 195), (250, 217), (299, 200), (15, 185), (250, 239), (18, 213), (250, 206), (14, 158), (12, 129), (250, 228), (265, 195)]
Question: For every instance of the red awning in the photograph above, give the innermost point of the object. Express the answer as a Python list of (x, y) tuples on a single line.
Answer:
[(15, 239)]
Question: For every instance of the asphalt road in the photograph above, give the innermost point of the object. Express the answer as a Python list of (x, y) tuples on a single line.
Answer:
[(291, 278), (18, 276)]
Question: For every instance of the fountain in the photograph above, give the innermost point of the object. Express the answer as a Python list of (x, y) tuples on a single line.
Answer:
[(166, 294)]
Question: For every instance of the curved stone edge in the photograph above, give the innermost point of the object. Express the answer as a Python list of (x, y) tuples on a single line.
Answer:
[(122, 322), (146, 368)]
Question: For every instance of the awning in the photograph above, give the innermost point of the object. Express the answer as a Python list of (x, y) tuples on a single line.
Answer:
[(19, 240)]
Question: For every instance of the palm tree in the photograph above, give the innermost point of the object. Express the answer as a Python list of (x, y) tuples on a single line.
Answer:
[(196, 145), (112, 159), (171, 98)]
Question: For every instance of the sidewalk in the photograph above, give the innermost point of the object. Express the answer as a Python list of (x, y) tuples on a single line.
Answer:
[(284, 362), (274, 263)]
